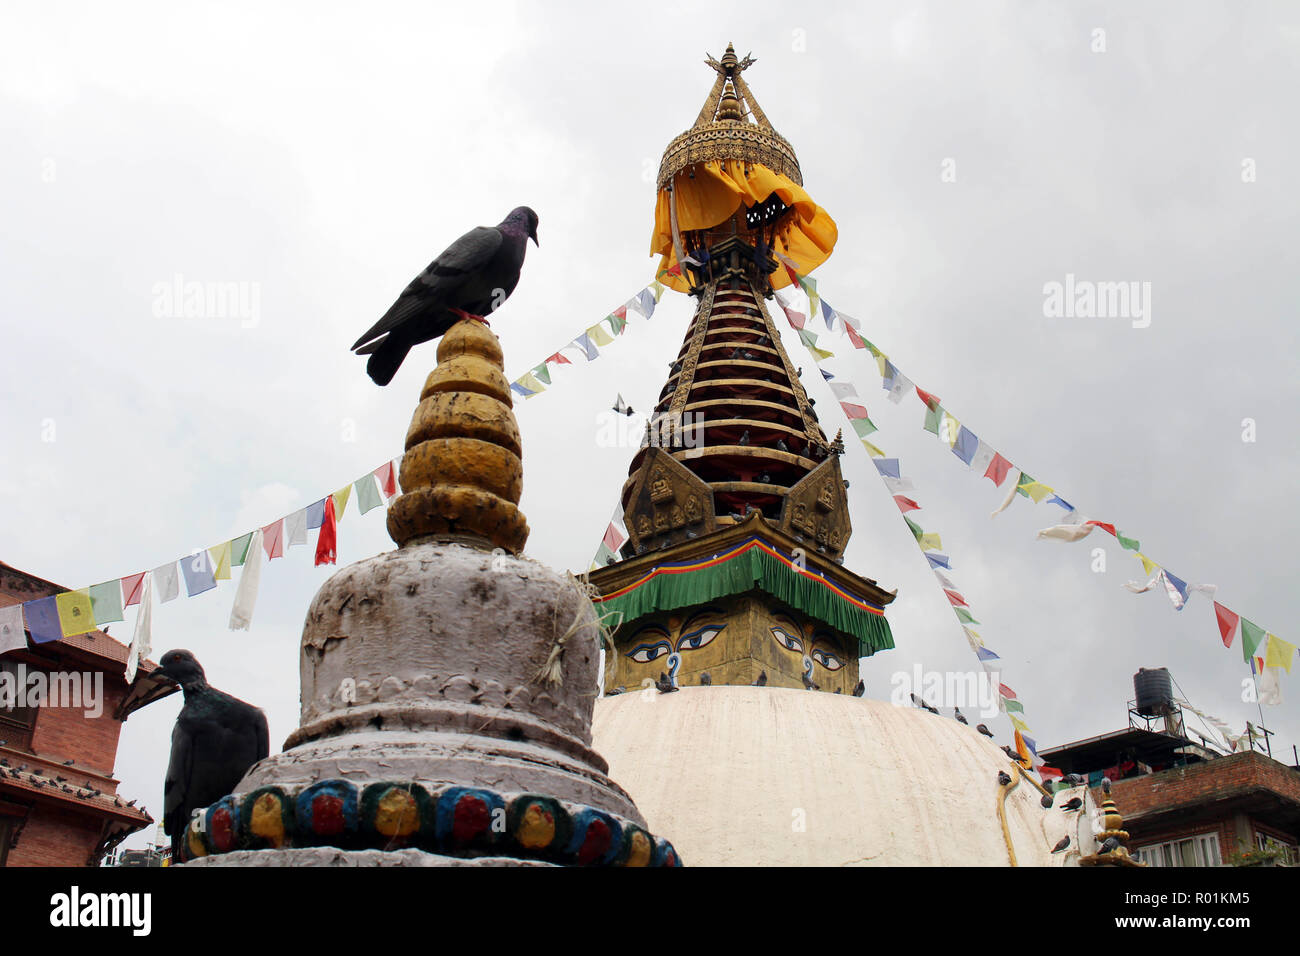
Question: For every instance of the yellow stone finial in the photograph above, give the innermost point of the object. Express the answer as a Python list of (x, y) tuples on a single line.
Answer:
[(462, 474)]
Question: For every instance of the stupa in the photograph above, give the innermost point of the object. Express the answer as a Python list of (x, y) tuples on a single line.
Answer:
[(447, 686)]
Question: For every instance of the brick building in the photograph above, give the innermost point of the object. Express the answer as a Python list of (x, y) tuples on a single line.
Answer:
[(59, 803), (1186, 804)]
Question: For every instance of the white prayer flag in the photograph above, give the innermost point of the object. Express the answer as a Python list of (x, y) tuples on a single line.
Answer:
[(12, 636), (295, 528), (241, 615), (167, 580), (142, 641), (1014, 475), (1067, 532)]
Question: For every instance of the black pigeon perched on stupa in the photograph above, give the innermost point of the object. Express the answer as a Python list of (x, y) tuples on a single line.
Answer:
[(1074, 803), (1004, 778), (984, 730), (471, 279), (762, 679), (1046, 801), (860, 688), (1110, 845), (1061, 845), (217, 738), (664, 684), (961, 719)]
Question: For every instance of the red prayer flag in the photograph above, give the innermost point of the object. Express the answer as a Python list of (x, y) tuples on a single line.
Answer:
[(931, 401), (621, 312), (857, 340), (1103, 526), (853, 411), (559, 359), (327, 542), (387, 483), (796, 319), (1227, 623), (794, 276), (955, 598), (133, 588), (998, 469), (273, 539), (1049, 773), (676, 270), (1006, 692), (905, 504), (613, 540)]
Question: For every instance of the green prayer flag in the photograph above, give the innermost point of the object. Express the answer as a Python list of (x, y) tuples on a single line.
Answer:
[(807, 338), (616, 322), (605, 556), (367, 493), (1014, 706), (1251, 636), (1127, 543), (106, 601), (239, 550), (862, 426), (965, 615), (1024, 481), (543, 373), (916, 528), (933, 416)]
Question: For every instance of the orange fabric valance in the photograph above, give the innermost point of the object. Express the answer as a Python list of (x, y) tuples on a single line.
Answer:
[(717, 190)]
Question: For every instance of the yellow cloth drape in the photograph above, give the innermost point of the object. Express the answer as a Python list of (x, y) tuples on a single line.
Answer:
[(717, 190)]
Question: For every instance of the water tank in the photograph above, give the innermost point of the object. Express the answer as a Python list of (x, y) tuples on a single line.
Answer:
[(1153, 688)]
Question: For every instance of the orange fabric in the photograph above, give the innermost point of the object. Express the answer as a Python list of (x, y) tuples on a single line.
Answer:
[(717, 190)]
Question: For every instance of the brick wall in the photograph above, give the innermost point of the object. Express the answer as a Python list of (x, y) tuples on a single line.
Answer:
[(1201, 783), (55, 837)]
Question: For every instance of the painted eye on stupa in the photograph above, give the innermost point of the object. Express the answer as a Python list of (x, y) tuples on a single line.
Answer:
[(645, 653), (787, 640), (697, 639), (826, 659)]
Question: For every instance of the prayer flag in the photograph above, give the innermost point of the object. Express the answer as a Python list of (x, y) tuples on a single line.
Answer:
[(931, 401), (387, 479), (905, 504), (131, 587), (327, 542), (966, 444), (367, 493), (1251, 637), (341, 501), (542, 374), (273, 540), (858, 341), (965, 616), (955, 599), (166, 582), (239, 549), (598, 335), (220, 561), (887, 467), (558, 358), (1227, 623), (929, 541), (853, 411), (842, 390), (315, 514), (997, 470), (12, 635), (197, 569), (1128, 544), (1177, 590), (1280, 653), (295, 526), (106, 601), (588, 347), (142, 639), (932, 418), (43, 620), (76, 615), (983, 458), (613, 539), (863, 426), (938, 561), (241, 612)]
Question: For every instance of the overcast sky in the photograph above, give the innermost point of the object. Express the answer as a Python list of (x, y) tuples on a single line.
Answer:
[(324, 154)]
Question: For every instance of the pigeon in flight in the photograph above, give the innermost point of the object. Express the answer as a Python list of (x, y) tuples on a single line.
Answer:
[(472, 277), (216, 740)]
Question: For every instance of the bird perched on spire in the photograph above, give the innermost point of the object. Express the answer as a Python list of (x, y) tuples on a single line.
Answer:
[(217, 738), (472, 277)]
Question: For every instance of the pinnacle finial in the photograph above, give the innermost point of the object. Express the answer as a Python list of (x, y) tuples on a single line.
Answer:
[(462, 475)]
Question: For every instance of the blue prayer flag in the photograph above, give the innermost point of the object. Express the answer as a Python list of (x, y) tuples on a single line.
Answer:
[(43, 620)]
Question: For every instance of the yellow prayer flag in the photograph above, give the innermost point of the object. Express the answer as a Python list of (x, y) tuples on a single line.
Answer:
[(220, 561), (930, 542), (881, 359), (973, 636), (598, 334), (341, 501), (820, 355), (1019, 724), (657, 289), (950, 429), (1280, 653), (1148, 565), (530, 382), (1037, 490), (76, 616), (872, 450)]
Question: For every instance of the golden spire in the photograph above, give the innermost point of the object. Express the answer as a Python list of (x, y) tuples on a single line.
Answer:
[(462, 474)]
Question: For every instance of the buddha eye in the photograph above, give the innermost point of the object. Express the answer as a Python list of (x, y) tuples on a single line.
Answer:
[(697, 639), (787, 640), (645, 653), (827, 660)]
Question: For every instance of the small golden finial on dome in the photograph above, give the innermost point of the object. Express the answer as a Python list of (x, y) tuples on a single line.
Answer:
[(1113, 832), (462, 474)]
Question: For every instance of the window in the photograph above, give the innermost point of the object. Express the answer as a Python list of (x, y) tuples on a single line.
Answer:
[(1286, 852), (15, 722), (1199, 850)]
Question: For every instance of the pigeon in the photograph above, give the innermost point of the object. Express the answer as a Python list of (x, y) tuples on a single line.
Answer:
[(705, 679), (808, 682), (1046, 801), (614, 693), (984, 730), (217, 738), (762, 679), (1074, 803), (1105, 785), (961, 719), (1061, 845), (472, 277), (781, 445), (68, 763), (1011, 753), (1004, 778), (1109, 846), (925, 706), (1074, 780), (764, 479), (916, 701), (664, 685), (860, 688), (744, 439)]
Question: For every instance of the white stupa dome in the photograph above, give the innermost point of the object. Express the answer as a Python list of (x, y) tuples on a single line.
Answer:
[(768, 776)]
